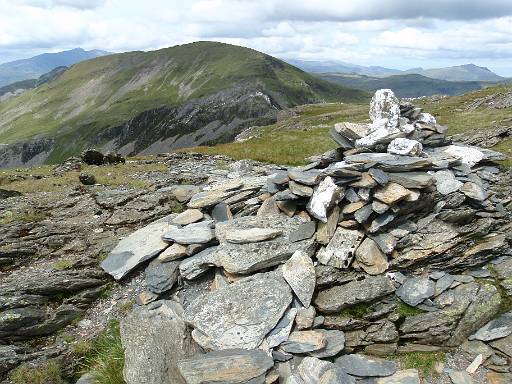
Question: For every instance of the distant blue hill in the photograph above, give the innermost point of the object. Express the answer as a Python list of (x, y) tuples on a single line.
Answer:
[(36, 66)]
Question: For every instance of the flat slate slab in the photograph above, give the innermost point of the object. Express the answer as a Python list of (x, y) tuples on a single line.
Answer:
[(365, 366), (251, 257), (136, 248), (241, 314)]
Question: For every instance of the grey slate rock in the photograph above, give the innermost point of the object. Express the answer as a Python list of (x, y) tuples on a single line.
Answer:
[(194, 266), (159, 336), (365, 366), (191, 234), (379, 176), (161, 276), (136, 248), (299, 273), (282, 330), (241, 314), (221, 212), (335, 342), (303, 231), (389, 162), (304, 177), (304, 341), (334, 299), (416, 180), (415, 290), (233, 366), (495, 329)]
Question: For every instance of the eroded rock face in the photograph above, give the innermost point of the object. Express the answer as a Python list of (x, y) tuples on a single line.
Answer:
[(159, 336), (240, 314)]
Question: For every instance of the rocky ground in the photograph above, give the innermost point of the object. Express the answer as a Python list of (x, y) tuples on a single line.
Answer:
[(377, 259)]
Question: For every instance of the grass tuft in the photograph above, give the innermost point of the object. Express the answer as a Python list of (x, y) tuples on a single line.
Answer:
[(104, 357), (48, 373), (424, 362)]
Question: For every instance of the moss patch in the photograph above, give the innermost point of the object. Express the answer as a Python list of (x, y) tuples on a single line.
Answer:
[(405, 310)]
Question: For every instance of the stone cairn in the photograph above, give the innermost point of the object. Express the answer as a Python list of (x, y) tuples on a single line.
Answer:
[(302, 275)]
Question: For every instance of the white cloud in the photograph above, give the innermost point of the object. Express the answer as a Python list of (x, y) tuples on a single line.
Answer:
[(374, 32)]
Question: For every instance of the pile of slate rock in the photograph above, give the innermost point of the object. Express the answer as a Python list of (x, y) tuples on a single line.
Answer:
[(397, 241)]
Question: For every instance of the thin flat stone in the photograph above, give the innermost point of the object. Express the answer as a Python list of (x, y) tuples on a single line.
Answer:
[(188, 216), (252, 235), (303, 231), (174, 252), (299, 189), (160, 277), (304, 341), (326, 230), (495, 329), (208, 198), (389, 162), (363, 214), (335, 342), (304, 177), (299, 273), (391, 193), (234, 366), (282, 330), (191, 234), (412, 179), (474, 191), (365, 366), (136, 248), (334, 299)]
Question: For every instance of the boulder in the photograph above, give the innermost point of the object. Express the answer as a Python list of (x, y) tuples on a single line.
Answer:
[(136, 248), (92, 157), (87, 179), (233, 366), (154, 341), (241, 314)]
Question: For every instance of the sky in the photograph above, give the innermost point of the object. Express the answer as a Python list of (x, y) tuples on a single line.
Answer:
[(398, 34)]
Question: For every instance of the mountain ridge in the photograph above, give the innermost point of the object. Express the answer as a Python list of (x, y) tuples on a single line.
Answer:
[(130, 101), (33, 67)]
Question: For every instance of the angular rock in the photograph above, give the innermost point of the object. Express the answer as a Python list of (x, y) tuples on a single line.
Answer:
[(161, 276), (192, 267), (221, 212), (299, 273), (407, 376), (300, 190), (311, 369), (446, 182), (183, 192), (303, 231), (191, 234), (326, 230), (364, 213), (460, 377), (209, 198), (351, 131), (157, 335), (412, 179), (370, 257), (391, 193), (282, 330), (341, 249), (336, 375), (304, 341), (305, 318), (334, 299), (364, 366), (325, 196), (137, 248), (335, 342), (403, 146), (174, 252), (474, 191), (241, 314), (379, 176), (390, 162), (188, 216), (415, 290), (252, 235), (251, 257), (495, 329), (304, 177), (234, 366)]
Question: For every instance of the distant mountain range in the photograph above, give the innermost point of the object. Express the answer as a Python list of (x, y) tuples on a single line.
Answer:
[(151, 102), (408, 85), (466, 72), (36, 66)]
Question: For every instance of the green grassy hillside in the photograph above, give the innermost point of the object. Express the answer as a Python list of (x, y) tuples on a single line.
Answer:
[(106, 91)]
